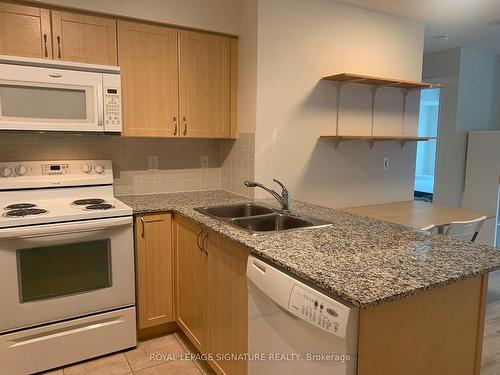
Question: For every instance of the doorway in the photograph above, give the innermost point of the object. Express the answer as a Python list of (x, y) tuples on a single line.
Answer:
[(428, 125)]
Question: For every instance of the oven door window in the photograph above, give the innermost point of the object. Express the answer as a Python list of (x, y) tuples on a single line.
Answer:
[(63, 270)]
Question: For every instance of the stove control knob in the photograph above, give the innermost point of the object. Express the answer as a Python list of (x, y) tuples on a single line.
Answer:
[(6, 172), (87, 168), (99, 168), (21, 170)]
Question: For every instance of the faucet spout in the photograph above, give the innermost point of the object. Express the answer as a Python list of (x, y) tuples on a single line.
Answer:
[(284, 198)]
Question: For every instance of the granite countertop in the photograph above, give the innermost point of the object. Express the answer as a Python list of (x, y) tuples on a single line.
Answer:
[(361, 260)]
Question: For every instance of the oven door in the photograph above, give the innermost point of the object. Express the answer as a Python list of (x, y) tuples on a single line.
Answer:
[(36, 98), (58, 271)]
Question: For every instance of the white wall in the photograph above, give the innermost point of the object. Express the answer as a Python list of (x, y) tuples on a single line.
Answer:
[(247, 67), (213, 15), (495, 106), (467, 103), (299, 42), (447, 65)]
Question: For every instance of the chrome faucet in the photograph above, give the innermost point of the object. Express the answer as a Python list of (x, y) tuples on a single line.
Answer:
[(284, 199)]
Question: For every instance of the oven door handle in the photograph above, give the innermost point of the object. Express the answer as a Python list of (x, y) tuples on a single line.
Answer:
[(65, 228)]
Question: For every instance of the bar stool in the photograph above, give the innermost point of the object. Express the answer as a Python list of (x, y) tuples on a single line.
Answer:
[(465, 230)]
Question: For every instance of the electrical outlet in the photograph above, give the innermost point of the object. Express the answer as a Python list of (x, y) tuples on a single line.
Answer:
[(385, 163), (153, 163), (204, 161)]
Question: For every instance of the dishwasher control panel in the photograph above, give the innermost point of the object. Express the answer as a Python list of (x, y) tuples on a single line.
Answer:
[(319, 310)]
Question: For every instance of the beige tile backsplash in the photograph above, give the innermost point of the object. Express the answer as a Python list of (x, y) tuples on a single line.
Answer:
[(238, 164), (230, 161)]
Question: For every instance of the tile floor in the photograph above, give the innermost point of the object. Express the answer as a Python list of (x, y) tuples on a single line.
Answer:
[(137, 361)]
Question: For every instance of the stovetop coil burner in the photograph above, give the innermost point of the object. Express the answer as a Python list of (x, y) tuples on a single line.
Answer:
[(18, 206), (100, 206), (85, 202), (25, 212)]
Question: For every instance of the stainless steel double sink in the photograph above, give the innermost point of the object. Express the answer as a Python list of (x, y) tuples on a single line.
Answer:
[(257, 219)]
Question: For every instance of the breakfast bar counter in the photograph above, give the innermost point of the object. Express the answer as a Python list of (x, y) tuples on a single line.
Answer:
[(361, 260)]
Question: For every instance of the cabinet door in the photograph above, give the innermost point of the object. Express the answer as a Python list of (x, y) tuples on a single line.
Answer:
[(147, 55), (190, 281), (154, 260), (25, 31), (226, 303), (205, 84), (84, 38)]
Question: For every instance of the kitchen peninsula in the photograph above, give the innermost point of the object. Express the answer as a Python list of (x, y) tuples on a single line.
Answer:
[(403, 281)]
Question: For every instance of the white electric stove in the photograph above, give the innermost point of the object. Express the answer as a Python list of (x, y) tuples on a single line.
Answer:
[(66, 265)]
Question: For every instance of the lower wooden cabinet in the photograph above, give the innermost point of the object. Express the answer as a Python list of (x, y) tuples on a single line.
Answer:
[(154, 269), (211, 294), (227, 300), (190, 281)]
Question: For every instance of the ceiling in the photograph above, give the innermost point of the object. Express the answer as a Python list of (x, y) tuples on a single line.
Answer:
[(466, 21)]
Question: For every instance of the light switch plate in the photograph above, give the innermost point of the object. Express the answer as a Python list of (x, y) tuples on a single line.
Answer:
[(153, 163)]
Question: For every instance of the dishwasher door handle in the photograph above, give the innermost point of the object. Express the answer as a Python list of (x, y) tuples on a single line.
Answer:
[(261, 267)]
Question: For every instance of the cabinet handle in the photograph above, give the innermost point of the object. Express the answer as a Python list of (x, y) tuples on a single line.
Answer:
[(203, 244), (59, 46), (175, 125), (143, 226), (198, 240), (185, 125), (46, 52)]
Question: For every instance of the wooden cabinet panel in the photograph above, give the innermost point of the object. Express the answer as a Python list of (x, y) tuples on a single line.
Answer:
[(439, 331), (227, 299), (148, 58), (190, 281), (84, 38), (154, 261), (25, 31), (205, 84)]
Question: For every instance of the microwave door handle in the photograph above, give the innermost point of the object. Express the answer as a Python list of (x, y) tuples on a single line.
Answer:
[(99, 107), (64, 228)]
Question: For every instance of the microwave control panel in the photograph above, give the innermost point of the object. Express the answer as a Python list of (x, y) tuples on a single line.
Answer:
[(112, 107)]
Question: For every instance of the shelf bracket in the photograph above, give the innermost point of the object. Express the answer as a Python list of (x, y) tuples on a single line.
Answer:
[(402, 143), (336, 144), (374, 97), (339, 106), (371, 143), (405, 103)]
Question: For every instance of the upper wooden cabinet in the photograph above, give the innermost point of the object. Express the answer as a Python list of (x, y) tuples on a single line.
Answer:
[(154, 269), (83, 38), (177, 83), (29, 32), (148, 58), (205, 84), (25, 31)]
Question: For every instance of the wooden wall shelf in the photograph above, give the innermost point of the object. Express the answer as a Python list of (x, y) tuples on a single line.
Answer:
[(371, 140), (343, 78)]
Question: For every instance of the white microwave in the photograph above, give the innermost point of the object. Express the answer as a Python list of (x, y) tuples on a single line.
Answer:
[(43, 95)]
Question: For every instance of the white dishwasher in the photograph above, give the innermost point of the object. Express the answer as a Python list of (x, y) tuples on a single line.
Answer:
[(294, 329)]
